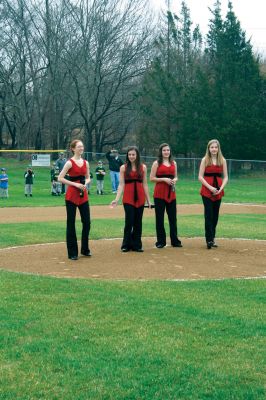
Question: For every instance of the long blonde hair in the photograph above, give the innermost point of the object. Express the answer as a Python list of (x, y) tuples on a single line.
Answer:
[(208, 158)]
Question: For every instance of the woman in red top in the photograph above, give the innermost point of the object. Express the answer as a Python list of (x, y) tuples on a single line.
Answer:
[(213, 176), (164, 174), (76, 196), (133, 182)]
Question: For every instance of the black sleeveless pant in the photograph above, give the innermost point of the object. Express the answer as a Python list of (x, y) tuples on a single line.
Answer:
[(71, 237), (211, 215), (160, 207), (133, 227)]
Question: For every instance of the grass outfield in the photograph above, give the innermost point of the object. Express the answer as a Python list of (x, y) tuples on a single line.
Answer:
[(245, 190), (85, 339), (250, 226)]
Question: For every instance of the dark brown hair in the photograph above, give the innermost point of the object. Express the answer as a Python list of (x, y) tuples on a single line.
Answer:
[(128, 168), (160, 153)]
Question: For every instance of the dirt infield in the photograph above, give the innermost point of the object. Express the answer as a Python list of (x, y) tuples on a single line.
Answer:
[(233, 258), (31, 214)]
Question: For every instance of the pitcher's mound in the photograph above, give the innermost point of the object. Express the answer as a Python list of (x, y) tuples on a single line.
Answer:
[(233, 258)]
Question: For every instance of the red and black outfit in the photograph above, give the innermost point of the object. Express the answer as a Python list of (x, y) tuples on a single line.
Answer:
[(165, 199), (133, 201), (213, 176), (77, 198)]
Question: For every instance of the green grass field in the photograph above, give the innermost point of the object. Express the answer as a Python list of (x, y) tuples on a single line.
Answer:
[(251, 226), (86, 339), (241, 190)]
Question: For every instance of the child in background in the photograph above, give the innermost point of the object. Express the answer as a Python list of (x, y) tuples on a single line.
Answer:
[(56, 185), (3, 184), (28, 175), (52, 173), (100, 173), (88, 185)]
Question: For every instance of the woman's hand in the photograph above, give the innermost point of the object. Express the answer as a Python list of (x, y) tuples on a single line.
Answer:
[(168, 181), (80, 186), (113, 203), (214, 191)]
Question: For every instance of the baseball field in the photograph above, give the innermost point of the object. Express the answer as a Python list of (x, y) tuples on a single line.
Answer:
[(185, 323)]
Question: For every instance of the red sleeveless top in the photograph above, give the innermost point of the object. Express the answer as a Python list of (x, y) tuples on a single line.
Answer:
[(134, 191), (162, 190), (73, 193), (212, 180)]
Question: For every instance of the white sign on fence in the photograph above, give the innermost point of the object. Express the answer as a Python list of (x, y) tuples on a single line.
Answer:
[(41, 160)]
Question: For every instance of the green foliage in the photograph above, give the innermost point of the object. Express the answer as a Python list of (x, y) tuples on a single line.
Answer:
[(189, 96), (236, 88)]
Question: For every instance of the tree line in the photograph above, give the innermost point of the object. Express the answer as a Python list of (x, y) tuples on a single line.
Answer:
[(110, 72)]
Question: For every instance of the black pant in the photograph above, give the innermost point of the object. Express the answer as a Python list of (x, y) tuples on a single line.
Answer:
[(160, 206), (211, 214), (71, 237), (133, 227)]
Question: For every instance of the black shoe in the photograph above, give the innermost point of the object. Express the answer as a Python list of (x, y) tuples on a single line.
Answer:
[(160, 246), (73, 258), (124, 249), (214, 244), (179, 244), (138, 250), (30, 195), (209, 245), (86, 253)]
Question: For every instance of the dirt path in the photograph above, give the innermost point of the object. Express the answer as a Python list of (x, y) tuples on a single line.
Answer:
[(32, 214), (233, 258)]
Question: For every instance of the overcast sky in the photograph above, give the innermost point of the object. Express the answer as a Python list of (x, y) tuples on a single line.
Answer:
[(251, 14)]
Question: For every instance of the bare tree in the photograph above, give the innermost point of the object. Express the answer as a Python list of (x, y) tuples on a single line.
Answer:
[(107, 56), (67, 64), (21, 68)]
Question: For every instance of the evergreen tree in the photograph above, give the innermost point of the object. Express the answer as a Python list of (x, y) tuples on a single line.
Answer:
[(189, 97), (167, 108), (235, 87)]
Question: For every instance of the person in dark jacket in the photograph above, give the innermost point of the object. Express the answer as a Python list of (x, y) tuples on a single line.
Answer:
[(114, 166), (28, 175), (60, 163)]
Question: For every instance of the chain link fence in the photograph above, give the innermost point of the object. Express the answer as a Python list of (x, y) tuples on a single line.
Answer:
[(189, 167)]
